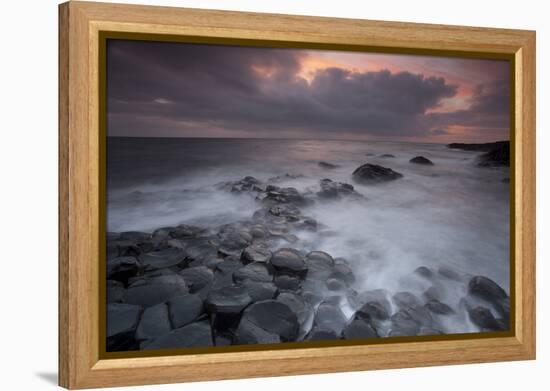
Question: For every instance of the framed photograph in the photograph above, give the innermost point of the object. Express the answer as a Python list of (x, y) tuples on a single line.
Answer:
[(247, 195)]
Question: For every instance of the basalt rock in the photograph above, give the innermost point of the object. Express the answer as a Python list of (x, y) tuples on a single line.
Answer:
[(331, 190), (163, 259), (359, 328), (155, 290), (123, 268), (122, 321), (289, 261), (154, 323), (486, 289), (421, 160), (198, 334), (270, 317), (372, 173), (328, 166), (185, 309), (256, 253)]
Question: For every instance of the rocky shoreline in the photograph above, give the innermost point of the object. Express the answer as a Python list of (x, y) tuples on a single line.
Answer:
[(251, 282)]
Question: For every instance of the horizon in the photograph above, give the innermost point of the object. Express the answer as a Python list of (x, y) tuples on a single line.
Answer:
[(181, 90)]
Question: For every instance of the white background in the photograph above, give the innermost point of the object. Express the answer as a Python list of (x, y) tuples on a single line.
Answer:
[(28, 194)]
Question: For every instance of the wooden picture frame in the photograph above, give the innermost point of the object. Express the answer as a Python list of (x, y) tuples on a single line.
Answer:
[(81, 24)]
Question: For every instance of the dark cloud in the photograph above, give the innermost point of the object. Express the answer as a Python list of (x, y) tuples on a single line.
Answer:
[(169, 89)]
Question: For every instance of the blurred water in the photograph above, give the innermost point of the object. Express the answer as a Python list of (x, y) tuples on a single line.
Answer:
[(452, 213)]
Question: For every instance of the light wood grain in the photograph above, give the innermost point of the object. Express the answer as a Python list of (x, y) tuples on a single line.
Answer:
[(80, 23)]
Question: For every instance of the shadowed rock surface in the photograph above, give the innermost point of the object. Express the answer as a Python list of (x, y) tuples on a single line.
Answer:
[(421, 160), (372, 173)]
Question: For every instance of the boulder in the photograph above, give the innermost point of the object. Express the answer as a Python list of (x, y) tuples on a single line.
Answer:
[(199, 251), (286, 195), (334, 190), (484, 319), (259, 291), (233, 240), (317, 334), (184, 231), (185, 309), (154, 323), (115, 292), (498, 156), (289, 261), (194, 335), (162, 259), (403, 324), (372, 173), (486, 289), (439, 308), (329, 316), (302, 309), (135, 236), (320, 265), (405, 299), (255, 271), (334, 284), (387, 155), (288, 212), (272, 317), (374, 310), (359, 329), (123, 268), (421, 160), (287, 283), (328, 166), (228, 299), (122, 321), (343, 272), (197, 278), (256, 253), (248, 333), (155, 290), (380, 296)]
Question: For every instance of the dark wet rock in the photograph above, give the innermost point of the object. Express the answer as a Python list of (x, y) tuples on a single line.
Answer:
[(197, 277), (334, 284), (380, 296), (246, 184), (484, 147), (502, 307), (184, 231), (259, 291), (222, 339), (163, 259), (421, 160), (484, 319), (317, 334), (320, 264), (284, 195), (289, 261), (308, 224), (451, 274), (403, 324), (405, 299), (258, 231), (185, 309), (154, 323), (387, 155), (228, 266), (200, 251), (255, 271), (249, 333), (359, 328), (123, 268), (486, 289), (234, 241), (162, 234), (328, 166), (499, 156), (256, 253), (115, 292), (329, 316), (343, 272), (375, 310), (298, 305), (228, 299), (439, 308), (134, 236), (288, 212), (287, 283), (155, 290), (270, 317), (435, 292), (334, 190), (122, 321), (194, 335), (424, 271), (372, 173)]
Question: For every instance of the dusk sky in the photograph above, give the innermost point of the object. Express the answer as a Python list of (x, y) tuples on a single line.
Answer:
[(157, 89)]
